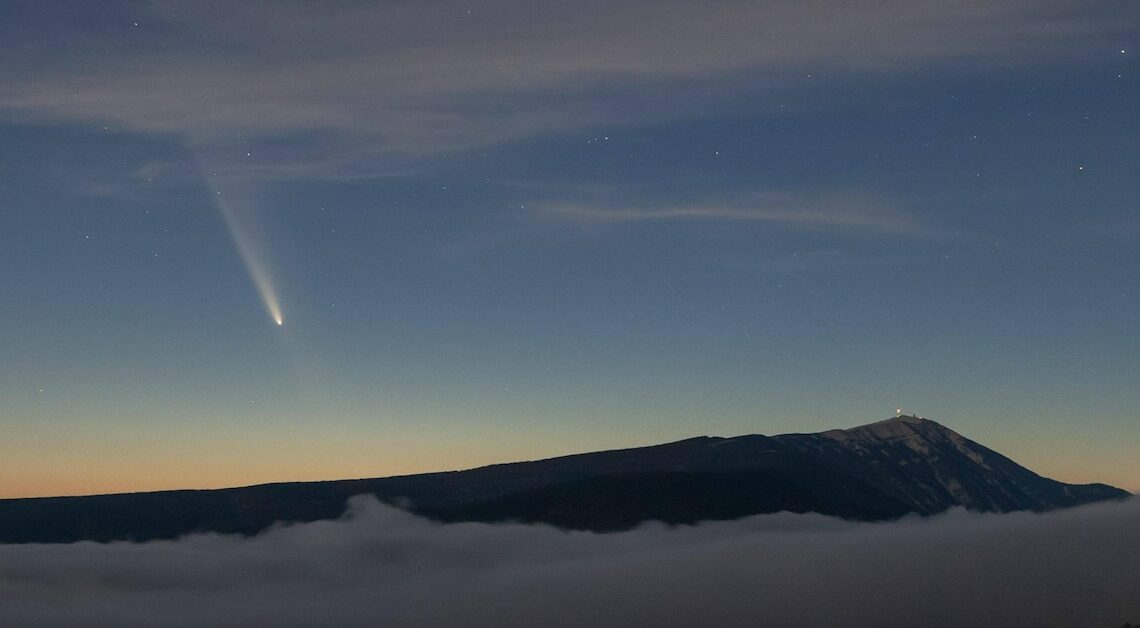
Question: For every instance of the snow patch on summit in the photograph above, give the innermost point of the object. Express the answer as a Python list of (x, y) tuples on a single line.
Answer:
[(904, 430)]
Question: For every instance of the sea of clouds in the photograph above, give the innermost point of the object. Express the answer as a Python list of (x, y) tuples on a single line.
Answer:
[(379, 566)]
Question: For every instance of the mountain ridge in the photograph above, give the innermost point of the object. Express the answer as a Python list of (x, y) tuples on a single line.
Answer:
[(877, 471)]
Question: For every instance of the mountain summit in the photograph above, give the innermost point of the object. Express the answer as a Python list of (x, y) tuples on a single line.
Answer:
[(934, 468), (882, 470), (878, 471)]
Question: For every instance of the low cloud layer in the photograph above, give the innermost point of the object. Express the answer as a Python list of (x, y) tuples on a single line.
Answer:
[(381, 566)]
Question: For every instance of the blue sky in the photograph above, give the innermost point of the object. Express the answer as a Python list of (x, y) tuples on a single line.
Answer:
[(501, 230)]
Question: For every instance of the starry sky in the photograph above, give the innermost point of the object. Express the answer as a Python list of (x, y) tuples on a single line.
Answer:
[(505, 230)]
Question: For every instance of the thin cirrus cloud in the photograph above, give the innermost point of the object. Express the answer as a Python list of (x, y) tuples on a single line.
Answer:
[(368, 81), (844, 214), (811, 213), (382, 566)]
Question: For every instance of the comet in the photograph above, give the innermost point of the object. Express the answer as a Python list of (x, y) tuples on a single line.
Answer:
[(251, 256), (232, 196), (243, 231)]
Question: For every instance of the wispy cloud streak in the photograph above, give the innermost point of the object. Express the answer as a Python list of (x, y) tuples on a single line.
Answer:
[(803, 212), (363, 82)]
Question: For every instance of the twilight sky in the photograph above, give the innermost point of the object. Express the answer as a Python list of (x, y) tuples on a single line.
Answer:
[(508, 230)]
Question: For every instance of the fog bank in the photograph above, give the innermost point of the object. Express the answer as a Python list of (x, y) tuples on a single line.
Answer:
[(382, 566)]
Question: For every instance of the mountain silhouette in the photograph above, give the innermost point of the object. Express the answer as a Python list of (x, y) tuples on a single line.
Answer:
[(884, 470)]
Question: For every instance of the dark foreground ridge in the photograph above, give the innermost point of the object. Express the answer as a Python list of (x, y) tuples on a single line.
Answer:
[(874, 472)]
